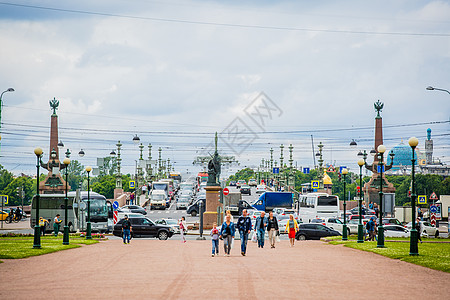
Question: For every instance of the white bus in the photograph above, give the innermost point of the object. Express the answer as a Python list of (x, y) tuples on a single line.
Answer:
[(52, 204), (317, 205)]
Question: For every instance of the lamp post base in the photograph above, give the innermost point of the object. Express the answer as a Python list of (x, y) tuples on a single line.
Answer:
[(200, 238), (413, 246), (37, 237), (88, 231), (360, 233), (380, 243), (344, 232), (66, 235)]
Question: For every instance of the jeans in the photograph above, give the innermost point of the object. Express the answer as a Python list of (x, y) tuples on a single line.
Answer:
[(126, 235), (260, 233), (227, 244), (244, 240), (272, 236), (215, 246)]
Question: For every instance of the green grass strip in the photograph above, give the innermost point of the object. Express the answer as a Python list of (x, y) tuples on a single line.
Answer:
[(431, 255), (22, 247)]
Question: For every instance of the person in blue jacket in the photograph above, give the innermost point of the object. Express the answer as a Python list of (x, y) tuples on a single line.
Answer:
[(227, 233), (260, 228), (244, 226)]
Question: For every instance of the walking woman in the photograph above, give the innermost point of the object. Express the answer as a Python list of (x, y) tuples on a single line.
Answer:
[(183, 228), (272, 229), (227, 233), (291, 228)]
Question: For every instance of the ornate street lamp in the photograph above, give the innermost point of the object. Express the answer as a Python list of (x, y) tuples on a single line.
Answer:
[(37, 230), (361, 163), (353, 144), (344, 227), (381, 149), (136, 139), (66, 162), (88, 228), (81, 153), (60, 145), (413, 245)]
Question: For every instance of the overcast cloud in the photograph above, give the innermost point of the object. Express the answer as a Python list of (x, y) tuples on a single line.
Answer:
[(191, 67)]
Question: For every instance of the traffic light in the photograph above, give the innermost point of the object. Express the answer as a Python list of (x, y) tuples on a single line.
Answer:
[(18, 192), (339, 176), (358, 189)]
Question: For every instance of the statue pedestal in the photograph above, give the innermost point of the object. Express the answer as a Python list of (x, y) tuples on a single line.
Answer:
[(212, 204)]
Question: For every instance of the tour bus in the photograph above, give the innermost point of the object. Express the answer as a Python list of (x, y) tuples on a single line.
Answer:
[(52, 204), (317, 205), (201, 177)]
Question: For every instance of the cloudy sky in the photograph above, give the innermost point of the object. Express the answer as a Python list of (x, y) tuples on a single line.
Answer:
[(174, 72)]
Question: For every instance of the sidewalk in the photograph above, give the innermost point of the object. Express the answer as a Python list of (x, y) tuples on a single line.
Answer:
[(154, 269)]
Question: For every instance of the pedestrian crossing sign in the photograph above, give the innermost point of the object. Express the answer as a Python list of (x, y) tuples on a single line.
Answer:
[(132, 184), (4, 199), (315, 184), (422, 199)]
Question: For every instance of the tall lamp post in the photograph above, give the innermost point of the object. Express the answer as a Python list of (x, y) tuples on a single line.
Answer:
[(413, 246), (344, 227), (66, 162), (1, 104), (37, 230), (381, 149), (360, 225), (88, 228)]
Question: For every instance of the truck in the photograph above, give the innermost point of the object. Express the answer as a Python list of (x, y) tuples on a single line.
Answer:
[(234, 203), (269, 200), (158, 199)]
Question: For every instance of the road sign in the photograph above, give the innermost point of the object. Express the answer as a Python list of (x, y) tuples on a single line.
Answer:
[(380, 169), (276, 170), (433, 219), (315, 184), (433, 196), (226, 191), (433, 209), (438, 211), (132, 184), (305, 170), (342, 168), (422, 199), (115, 216), (82, 205), (331, 169), (115, 205), (4, 199)]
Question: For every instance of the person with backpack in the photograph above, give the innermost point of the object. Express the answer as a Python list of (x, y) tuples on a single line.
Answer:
[(370, 227), (126, 230), (244, 226)]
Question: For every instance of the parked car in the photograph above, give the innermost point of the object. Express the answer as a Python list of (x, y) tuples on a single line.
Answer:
[(427, 229), (395, 231), (283, 213), (232, 183), (170, 222), (252, 182), (261, 188), (367, 211), (390, 221), (240, 183), (144, 227), (245, 189), (132, 209), (352, 225), (313, 231), (194, 208), (3, 215)]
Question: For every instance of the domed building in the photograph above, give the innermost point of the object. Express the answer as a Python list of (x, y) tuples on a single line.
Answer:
[(327, 183), (402, 158)]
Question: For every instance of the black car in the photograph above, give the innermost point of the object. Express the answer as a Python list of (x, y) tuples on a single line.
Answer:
[(194, 208), (144, 227), (245, 189), (132, 209), (232, 183), (314, 231)]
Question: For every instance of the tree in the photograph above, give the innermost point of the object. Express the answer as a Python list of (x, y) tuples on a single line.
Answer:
[(24, 182), (6, 178), (76, 172)]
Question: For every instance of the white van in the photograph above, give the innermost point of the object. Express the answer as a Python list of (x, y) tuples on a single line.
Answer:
[(158, 199)]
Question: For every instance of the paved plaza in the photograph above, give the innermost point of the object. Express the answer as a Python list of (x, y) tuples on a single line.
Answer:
[(154, 269)]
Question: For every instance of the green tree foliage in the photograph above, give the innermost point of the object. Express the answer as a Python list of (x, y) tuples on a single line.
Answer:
[(244, 174), (105, 185), (6, 178), (76, 173), (26, 183)]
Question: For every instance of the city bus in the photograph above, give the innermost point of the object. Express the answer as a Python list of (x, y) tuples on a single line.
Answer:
[(52, 204), (201, 177), (175, 176), (317, 205)]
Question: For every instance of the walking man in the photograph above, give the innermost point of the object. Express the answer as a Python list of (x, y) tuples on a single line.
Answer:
[(126, 230), (260, 228), (244, 226), (56, 222)]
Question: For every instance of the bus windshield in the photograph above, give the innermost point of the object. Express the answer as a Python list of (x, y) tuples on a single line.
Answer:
[(327, 201), (160, 186)]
